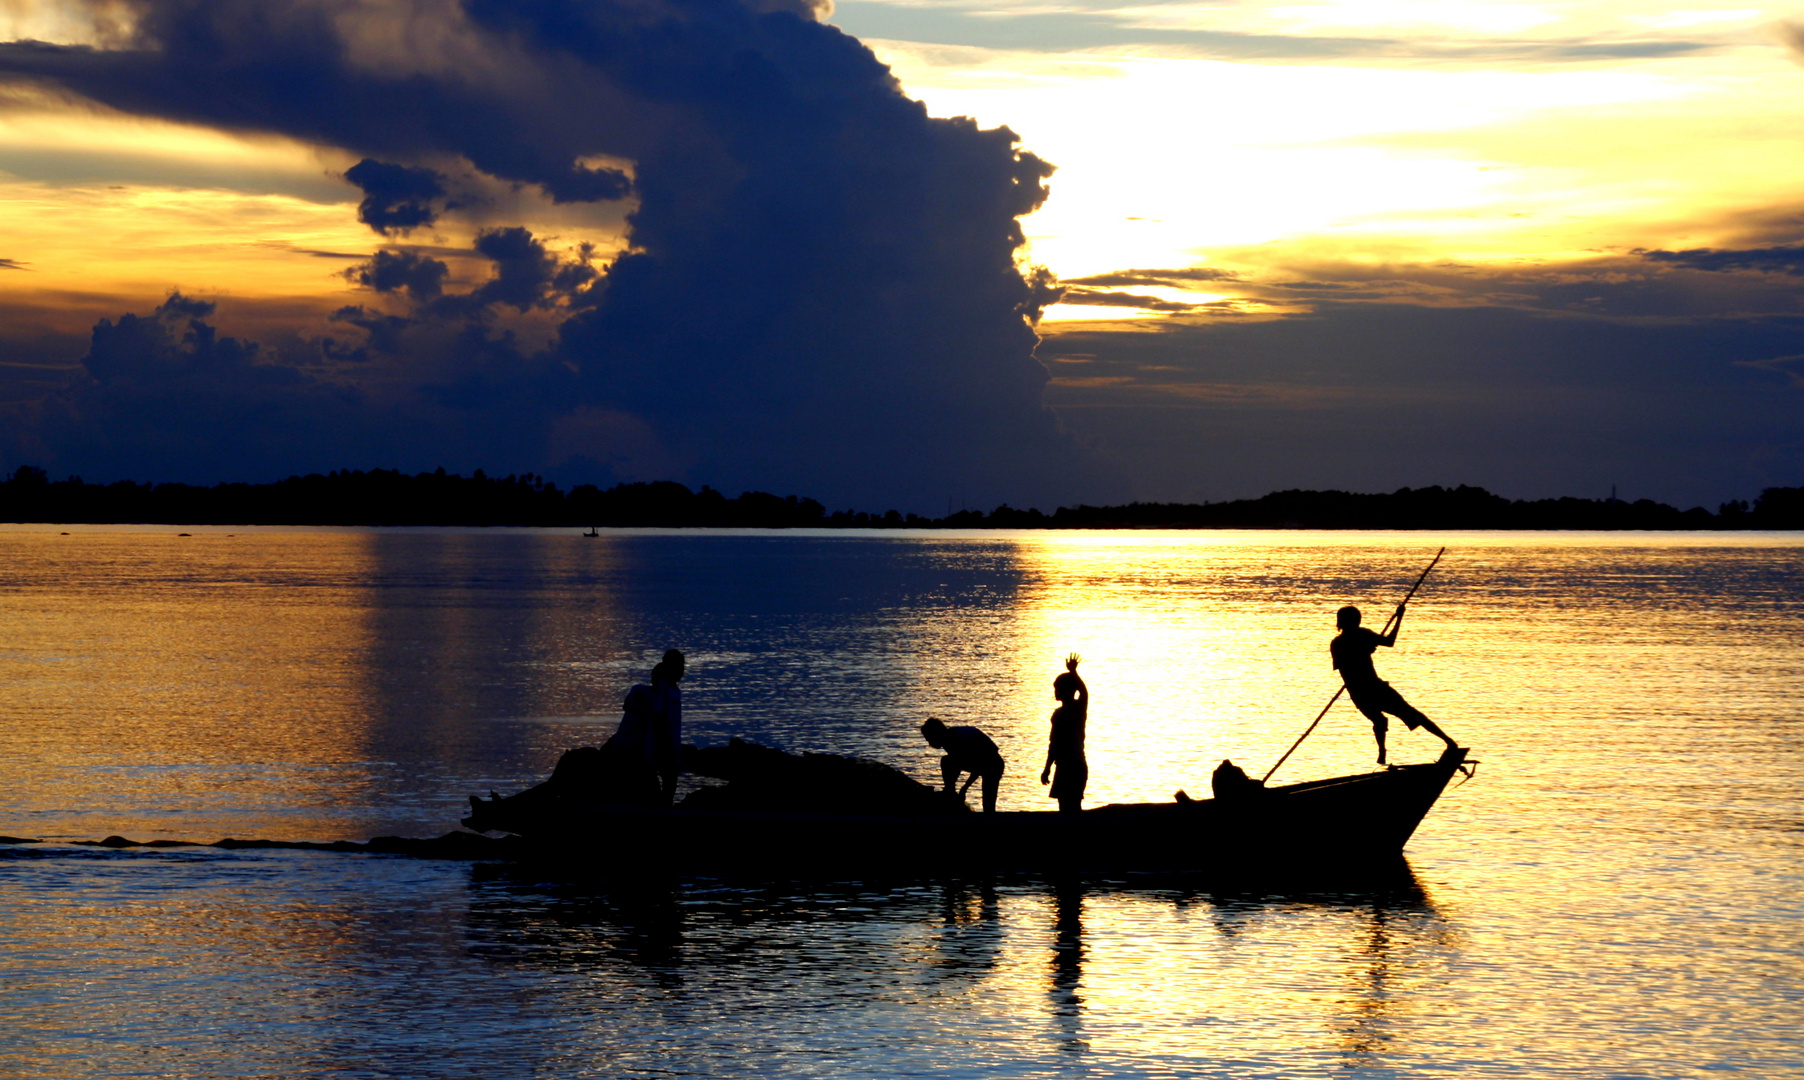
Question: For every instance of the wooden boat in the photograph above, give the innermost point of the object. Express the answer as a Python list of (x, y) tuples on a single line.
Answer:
[(1341, 823)]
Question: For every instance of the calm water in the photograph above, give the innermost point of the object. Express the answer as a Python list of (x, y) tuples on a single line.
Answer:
[(1616, 894)]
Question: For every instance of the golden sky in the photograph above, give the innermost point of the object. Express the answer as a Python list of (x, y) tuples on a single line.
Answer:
[(1473, 139)]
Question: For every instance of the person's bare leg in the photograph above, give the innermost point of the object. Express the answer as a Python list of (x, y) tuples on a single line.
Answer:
[(1429, 726), (1415, 719), (1378, 733)]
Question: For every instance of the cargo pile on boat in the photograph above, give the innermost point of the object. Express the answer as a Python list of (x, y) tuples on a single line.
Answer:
[(758, 779)]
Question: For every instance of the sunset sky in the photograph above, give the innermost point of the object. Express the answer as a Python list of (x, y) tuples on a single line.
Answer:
[(1542, 247)]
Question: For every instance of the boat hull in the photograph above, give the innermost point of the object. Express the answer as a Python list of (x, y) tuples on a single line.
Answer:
[(1321, 825)]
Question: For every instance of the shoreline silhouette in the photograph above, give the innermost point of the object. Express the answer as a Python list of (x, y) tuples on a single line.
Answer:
[(390, 497)]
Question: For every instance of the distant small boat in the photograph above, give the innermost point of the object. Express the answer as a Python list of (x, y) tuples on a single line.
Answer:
[(593, 532), (1340, 823)]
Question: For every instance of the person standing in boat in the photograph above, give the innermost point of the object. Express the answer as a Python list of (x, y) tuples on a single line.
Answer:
[(1065, 747), (1352, 651), (666, 728), (645, 752), (967, 750)]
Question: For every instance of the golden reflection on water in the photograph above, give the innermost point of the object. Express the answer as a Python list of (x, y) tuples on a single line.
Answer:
[(171, 685), (157, 662)]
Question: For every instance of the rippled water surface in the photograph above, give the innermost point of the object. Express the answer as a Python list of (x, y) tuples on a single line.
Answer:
[(1615, 894)]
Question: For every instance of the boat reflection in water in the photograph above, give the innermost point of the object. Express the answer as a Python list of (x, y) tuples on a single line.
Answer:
[(1113, 970)]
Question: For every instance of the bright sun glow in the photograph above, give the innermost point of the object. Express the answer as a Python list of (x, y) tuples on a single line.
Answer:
[(1171, 162)]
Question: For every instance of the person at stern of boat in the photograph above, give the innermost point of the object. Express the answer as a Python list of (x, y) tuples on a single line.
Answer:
[(1352, 651), (968, 750), (1065, 747)]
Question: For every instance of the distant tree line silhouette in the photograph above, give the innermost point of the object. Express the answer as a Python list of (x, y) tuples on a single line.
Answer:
[(389, 497)]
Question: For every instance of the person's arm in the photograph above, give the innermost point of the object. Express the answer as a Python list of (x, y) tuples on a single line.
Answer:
[(1046, 773), (1390, 639)]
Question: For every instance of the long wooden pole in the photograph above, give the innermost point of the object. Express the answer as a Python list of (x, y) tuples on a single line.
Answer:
[(1388, 623)]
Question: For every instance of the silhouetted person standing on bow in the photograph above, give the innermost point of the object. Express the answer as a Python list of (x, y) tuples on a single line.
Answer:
[(968, 750), (667, 723), (1352, 650), (1065, 748)]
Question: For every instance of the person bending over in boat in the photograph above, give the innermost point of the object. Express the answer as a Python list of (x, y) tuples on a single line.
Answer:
[(1065, 748), (1352, 650), (968, 750)]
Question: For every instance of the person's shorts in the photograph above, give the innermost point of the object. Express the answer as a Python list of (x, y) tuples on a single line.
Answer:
[(1378, 698)]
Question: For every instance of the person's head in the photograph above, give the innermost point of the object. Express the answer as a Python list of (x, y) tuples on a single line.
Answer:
[(934, 731), (1347, 618), (670, 669), (1064, 688)]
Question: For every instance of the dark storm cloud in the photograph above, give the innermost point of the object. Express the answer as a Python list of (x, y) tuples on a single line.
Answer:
[(166, 395), (171, 392), (821, 290), (396, 198), (524, 276)]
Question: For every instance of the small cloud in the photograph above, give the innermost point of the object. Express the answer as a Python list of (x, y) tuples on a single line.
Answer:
[(11, 264), (282, 245), (1124, 299), (1792, 367), (1784, 259), (1791, 35), (1170, 278), (396, 198), (585, 184), (422, 277)]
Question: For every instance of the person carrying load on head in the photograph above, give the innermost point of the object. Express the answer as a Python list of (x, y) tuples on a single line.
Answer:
[(1065, 746), (967, 750), (1352, 651)]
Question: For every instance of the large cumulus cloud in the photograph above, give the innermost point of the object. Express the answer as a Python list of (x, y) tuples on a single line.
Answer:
[(821, 290)]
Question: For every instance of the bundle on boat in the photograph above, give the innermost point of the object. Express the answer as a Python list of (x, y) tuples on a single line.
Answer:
[(758, 779)]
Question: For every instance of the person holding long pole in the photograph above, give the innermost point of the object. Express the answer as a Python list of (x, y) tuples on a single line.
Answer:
[(1362, 673), (1352, 651)]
